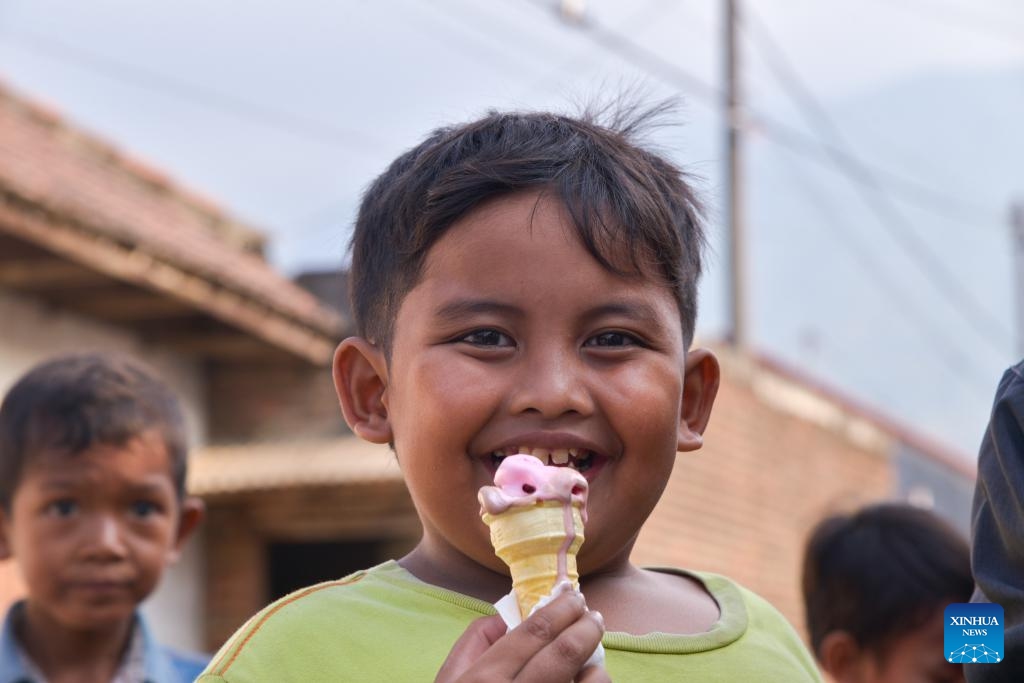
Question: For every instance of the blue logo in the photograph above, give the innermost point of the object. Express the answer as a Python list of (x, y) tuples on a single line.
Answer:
[(974, 633)]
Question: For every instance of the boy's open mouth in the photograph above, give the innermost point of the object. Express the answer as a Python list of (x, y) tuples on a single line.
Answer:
[(579, 459)]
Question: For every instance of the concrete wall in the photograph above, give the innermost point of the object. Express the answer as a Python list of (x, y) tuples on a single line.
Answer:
[(32, 332)]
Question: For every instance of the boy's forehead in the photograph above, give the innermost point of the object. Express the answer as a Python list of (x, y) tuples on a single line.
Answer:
[(519, 252), (144, 454), (534, 224)]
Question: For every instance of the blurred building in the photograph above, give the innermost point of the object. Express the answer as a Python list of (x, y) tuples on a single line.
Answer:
[(99, 251)]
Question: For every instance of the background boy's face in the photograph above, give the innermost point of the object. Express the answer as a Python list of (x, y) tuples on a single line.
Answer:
[(917, 657), (516, 338), (914, 657), (91, 533)]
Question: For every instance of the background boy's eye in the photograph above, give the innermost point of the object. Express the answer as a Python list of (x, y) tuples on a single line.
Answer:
[(612, 339), (65, 507), (144, 508), (487, 337)]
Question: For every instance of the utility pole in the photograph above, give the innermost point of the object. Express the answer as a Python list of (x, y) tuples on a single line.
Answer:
[(734, 180), (1017, 240)]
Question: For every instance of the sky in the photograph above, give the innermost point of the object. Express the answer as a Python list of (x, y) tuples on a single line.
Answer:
[(896, 290)]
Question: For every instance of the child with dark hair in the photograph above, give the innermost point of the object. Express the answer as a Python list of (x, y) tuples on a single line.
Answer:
[(525, 283), (876, 584), (92, 510)]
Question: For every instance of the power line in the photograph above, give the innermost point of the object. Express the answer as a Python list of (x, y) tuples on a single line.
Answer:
[(477, 40), (581, 58), (874, 194), (913, 192), (844, 161), (288, 122), (934, 336)]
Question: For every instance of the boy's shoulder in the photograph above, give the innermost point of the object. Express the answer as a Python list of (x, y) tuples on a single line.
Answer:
[(750, 639), (347, 628)]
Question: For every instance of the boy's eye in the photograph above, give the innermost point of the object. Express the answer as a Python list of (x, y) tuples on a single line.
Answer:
[(64, 507), (612, 339), (144, 508), (487, 337)]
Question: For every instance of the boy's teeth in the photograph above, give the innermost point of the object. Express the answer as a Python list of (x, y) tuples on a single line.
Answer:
[(548, 456), (541, 454)]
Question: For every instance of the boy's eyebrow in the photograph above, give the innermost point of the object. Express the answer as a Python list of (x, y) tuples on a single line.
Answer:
[(462, 308), (64, 483), (633, 309), (59, 484), (639, 311)]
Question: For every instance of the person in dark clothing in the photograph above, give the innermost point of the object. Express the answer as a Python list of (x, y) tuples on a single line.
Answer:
[(997, 525)]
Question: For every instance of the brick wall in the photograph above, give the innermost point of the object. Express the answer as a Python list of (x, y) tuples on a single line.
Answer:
[(743, 505), (254, 402)]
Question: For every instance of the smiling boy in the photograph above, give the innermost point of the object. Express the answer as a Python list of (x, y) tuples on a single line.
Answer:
[(524, 283), (92, 510)]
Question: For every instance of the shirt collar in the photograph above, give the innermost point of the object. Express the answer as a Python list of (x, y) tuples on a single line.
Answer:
[(159, 668), (12, 663)]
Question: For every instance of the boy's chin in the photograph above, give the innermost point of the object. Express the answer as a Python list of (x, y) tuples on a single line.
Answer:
[(93, 618)]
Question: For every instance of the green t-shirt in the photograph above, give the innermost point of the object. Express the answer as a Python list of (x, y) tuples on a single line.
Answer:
[(384, 624)]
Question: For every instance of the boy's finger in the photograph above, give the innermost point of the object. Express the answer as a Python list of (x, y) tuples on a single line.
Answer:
[(545, 625), (478, 637), (563, 657), (594, 674)]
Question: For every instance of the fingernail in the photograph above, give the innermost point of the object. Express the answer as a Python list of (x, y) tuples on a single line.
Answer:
[(598, 617)]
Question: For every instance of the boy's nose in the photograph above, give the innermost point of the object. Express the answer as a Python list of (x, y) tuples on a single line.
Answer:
[(552, 385), (106, 538)]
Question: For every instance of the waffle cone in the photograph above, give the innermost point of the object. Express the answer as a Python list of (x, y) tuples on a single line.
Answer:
[(528, 539)]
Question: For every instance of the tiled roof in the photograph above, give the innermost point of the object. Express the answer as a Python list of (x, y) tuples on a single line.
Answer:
[(47, 163), (219, 470)]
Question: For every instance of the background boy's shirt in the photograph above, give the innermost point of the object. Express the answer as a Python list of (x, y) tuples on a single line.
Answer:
[(383, 624), (997, 526), (145, 662)]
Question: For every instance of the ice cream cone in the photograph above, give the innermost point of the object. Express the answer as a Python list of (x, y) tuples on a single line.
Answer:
[(539, 543)]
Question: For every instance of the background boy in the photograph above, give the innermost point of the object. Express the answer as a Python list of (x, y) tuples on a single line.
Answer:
[(524, 282), (876, 584), (92, 509)]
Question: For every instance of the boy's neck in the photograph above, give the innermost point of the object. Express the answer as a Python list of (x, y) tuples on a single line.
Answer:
[(441, 565), (66, 655)]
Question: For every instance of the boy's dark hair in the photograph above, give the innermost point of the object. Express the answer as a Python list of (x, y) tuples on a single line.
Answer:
[(881, 572), (632, 209), (72, 403)]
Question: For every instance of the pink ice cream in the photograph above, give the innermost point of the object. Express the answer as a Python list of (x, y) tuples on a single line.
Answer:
[(524, 480)]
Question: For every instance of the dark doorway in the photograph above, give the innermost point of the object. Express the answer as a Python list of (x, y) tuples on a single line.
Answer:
[(297, 565)]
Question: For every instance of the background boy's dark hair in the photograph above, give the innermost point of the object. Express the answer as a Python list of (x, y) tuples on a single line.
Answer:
[(881, 572), (71, 403), (632, 209)]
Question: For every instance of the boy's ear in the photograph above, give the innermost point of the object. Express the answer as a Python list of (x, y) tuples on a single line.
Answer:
[(700, 385), (193, 510), (840, 657), (361, 380)]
